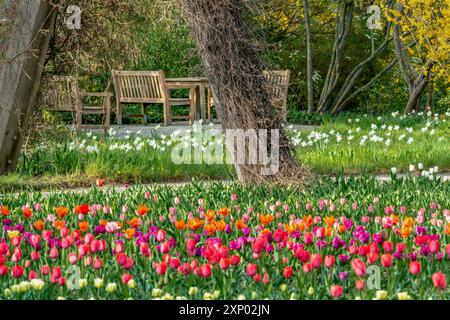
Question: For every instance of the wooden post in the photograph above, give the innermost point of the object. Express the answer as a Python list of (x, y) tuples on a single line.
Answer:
[(20, 72)]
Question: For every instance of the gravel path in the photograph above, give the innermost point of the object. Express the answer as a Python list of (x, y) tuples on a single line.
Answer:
[(119, 188)]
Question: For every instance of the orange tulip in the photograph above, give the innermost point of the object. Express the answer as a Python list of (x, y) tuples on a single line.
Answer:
[(130, 233), (5, 211), (103, 222), (210, 229), (39, 225), (59, 224), (27, 212), (329, 221), (134, 223), (61, 212), (220, 225), (301, 226), (194, 224), (266, 219), (309, 221), (290, 227), (240, 224), (180, 225), (142, 210), (224, 211), (408, 222), (328, 231), (394, 218), (83, 226), (405, 231), (210, 214)]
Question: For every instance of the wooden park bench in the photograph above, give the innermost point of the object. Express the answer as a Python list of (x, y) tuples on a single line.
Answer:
[(148, 87), (278, 81), (64, 94)]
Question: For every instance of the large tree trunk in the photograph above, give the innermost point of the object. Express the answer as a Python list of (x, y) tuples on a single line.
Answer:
[(309, 57), (232, 65), (31, 27)]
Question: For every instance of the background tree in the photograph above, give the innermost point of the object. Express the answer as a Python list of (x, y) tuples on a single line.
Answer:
[(425, 23)]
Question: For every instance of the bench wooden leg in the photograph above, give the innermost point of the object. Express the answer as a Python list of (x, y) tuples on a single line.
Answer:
[(167, 115), (78, 120), (119, 113), (107, 115)]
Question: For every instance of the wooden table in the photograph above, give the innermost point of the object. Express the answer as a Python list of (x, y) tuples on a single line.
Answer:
[(200, 85)]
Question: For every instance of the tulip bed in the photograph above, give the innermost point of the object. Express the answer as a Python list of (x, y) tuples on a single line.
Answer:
[(354, 238)]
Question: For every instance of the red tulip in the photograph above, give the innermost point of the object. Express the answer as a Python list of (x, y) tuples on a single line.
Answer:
[(251, 269), (306, 268), (434, 246), (363, 250), (185, 268), (126, 277), (34, 255), (400, 247), (54, 253), (224, 263), (329, 261), (62, 281), (56, 272), (360, 284), (45, 270), (414, 267), (121, 258), (257, 277), (98, 263), (3, 270), (387, 246), (205, 270), (161, 268), (308, 238), (266, 278), (73, 259), (301, 254), (439, 280), (17, 271), (359, 267), (336, 291), (288, 272), (129, 262), (235, 260), (372, 257), (32, 275), (316, 260), (386, 260)]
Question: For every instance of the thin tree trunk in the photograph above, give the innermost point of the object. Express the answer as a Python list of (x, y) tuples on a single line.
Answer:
[(309, 57), (231, 62), (20, 73), (344, 22), (416, 81)]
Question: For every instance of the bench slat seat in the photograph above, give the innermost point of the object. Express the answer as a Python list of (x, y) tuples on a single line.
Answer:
[(148, 87)]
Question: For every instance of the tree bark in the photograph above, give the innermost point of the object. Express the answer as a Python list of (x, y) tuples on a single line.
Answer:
[(231, 62), (20, 73), (344, 22), (417, 81), (309, 57)]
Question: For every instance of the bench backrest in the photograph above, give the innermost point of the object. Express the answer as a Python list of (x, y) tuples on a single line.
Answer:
[(139, 86), (278, 81), (63, 94)]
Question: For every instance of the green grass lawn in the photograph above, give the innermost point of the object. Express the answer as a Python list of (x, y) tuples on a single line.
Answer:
[(352, 145)]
